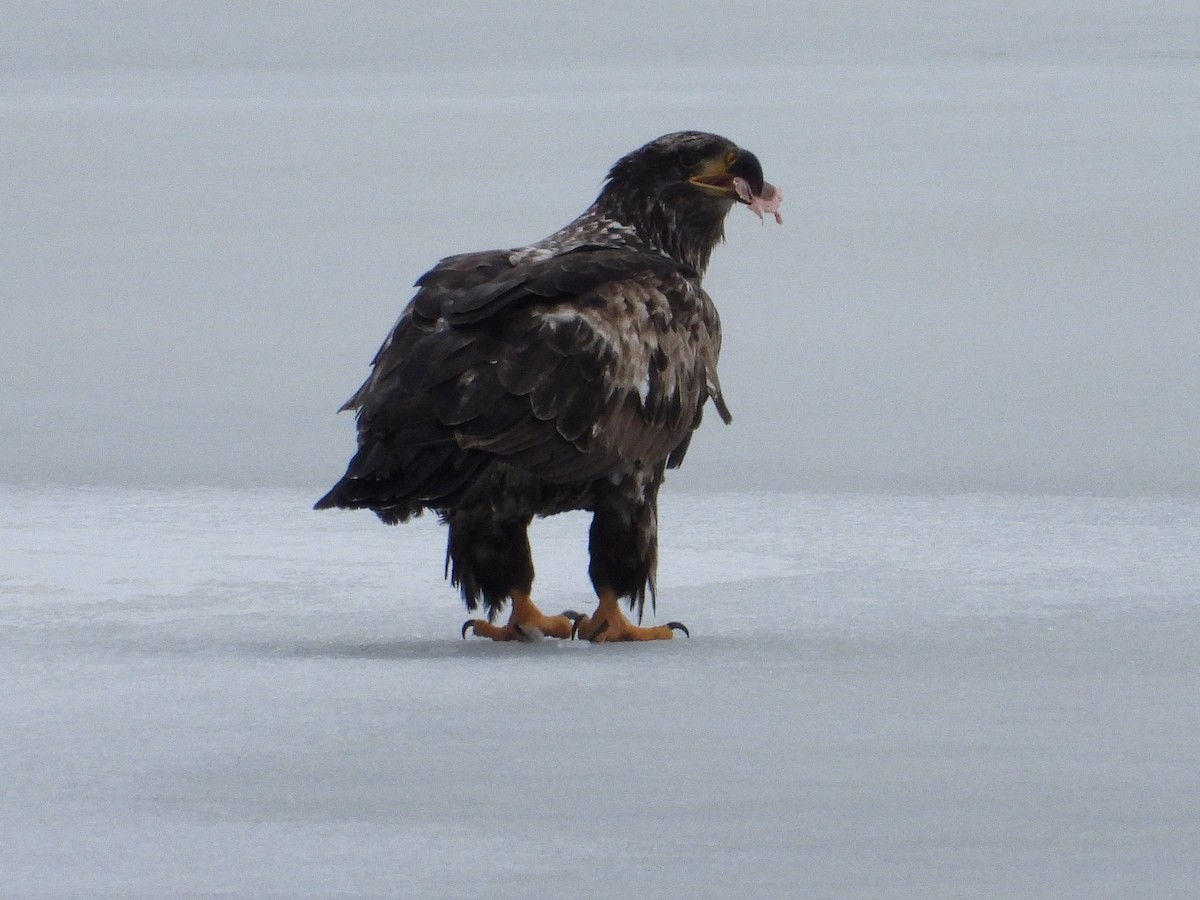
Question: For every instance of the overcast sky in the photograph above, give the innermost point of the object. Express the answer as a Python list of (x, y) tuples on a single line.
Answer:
[(212, 213)]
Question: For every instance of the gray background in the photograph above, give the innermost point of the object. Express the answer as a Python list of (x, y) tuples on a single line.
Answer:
[(212, 212)]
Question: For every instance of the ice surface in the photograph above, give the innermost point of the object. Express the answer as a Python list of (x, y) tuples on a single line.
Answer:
[(209, 216), (212, 692)]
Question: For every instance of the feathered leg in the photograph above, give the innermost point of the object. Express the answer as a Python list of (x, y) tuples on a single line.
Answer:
[(623, 544), (490, 560)]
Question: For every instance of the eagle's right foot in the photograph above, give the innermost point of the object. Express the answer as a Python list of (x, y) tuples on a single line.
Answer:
[(525, 623)]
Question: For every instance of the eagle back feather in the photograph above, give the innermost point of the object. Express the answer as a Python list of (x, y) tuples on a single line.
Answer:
[(564, 366)]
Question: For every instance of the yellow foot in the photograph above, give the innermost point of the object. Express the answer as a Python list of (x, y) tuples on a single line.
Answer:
[(525, 623), (610, 624)]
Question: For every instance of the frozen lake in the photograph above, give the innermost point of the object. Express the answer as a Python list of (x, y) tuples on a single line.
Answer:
[(217, 692), (986, 281)]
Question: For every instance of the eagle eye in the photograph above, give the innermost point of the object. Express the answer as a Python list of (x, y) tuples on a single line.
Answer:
[(689, 159)]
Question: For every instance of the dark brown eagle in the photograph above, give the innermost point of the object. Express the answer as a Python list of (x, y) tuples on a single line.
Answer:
[(567, 374)]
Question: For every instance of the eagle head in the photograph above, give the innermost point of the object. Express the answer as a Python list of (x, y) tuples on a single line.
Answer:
[(676, 191)]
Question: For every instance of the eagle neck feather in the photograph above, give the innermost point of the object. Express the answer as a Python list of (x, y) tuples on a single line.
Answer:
[(687, 233)]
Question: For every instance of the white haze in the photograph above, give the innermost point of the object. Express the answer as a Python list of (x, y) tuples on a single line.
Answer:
[(212, 213)]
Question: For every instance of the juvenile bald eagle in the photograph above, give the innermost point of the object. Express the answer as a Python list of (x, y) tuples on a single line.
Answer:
[(567, 374)]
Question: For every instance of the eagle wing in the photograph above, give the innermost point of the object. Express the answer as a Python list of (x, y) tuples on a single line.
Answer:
[(564, 367)]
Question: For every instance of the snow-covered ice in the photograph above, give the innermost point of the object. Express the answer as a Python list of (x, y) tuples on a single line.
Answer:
[(209, 215), (220, 693)]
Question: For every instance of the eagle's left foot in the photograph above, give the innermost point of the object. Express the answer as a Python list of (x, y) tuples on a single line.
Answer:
[(609, 623), (525, 623)]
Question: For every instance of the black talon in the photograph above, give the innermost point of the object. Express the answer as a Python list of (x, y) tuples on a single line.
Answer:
[(574, 617), (679, 626), (599, 631), (521, 633), (470, 623)]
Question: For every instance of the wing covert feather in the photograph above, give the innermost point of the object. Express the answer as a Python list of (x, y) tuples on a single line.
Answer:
[(565, 367)]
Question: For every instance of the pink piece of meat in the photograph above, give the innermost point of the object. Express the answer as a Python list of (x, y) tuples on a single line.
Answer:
[(766, 202)]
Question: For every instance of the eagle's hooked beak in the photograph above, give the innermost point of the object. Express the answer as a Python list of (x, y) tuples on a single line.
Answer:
[(719, 175)]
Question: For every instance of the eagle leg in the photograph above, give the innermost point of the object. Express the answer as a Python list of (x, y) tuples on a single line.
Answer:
[(525, 623), (609, 623)]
